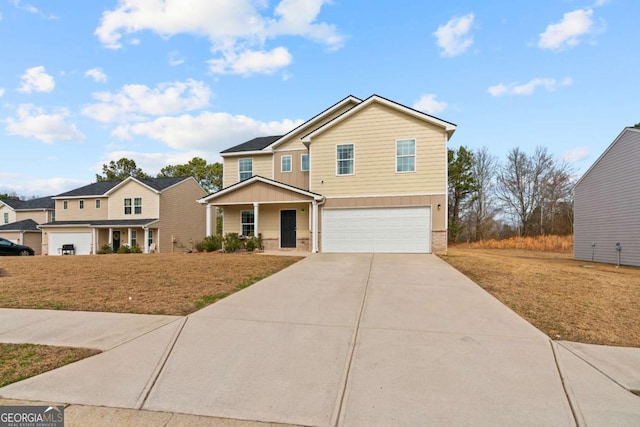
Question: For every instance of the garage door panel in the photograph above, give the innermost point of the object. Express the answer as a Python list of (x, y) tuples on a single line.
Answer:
[(399, 230), (81, 241)]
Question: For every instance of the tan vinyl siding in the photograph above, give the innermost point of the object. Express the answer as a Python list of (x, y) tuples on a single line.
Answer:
[(38, 216), (132, 190), (34, 241), (374, 132), (262, 166), (296, 177), (74, 213), (606, 205), (258, 192), (12, 214), (181, 217)]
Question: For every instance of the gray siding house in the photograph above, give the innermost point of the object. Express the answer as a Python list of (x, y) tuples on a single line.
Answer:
[(607, 204)]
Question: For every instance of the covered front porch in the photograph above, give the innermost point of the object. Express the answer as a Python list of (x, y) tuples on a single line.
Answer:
[(284, 217)]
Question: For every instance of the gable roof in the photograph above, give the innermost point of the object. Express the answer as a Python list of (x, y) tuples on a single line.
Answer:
[(24, 225), (256, 144), (102, 188), (449, 127), (41, 203), (267, 143), (624, 131), (258, 178)]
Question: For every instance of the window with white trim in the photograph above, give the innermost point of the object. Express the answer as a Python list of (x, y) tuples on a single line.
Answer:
[(65, 205), (285, 163), (405, 155), (6, 218), (97, 203), (247, 223), (127, 206), (345, 155), (245, 168), (81, 204), (137, 205), (304, 162), (134, 237), (150, 241)]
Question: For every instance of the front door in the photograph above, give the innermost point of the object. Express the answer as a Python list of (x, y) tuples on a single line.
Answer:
[(288, 229), (116, 241)]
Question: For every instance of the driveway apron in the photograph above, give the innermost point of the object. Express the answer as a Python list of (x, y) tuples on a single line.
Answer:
[(335, 339)]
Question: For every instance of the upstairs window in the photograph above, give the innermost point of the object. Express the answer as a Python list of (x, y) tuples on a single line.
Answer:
[(65, 205), (98, 204), (137, 205), (345, 155), (405, 155), (248, 225), (81, 204), (127, 206), (304, 163), (285, 164), (6, 218), (245, 168)]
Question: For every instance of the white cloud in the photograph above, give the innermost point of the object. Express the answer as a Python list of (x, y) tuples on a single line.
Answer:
[(175, 59), (529, 87), (453, 37), (27, 7), (568, 31), (32, 122), (97, 75), (36, 79), (150, 163), (25, 185), (1, 92), (575, 155), (428, 104), (249, 62), (137, 102), (238, 30), (209, 132)]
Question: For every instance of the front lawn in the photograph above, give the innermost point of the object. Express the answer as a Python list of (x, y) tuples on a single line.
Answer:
[(175, 284)]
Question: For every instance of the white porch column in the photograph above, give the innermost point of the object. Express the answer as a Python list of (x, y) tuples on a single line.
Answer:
[(209, 219), (94, 240), (129, 237), (314, 231), (146, 240), (255, 219), (111, 237)]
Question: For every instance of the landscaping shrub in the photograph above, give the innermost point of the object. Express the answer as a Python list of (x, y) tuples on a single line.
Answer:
[(212, 243), (232, 242), (124, 249), (198, 246), (105, 249), (136, 249), (253, 243)]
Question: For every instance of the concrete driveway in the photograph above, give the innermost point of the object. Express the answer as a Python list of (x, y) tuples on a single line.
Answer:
[(355, 340)]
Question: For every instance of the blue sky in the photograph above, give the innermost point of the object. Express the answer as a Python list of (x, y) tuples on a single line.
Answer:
[(82, 83)]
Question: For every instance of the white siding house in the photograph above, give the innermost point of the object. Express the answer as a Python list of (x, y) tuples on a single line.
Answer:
[(607, 204)]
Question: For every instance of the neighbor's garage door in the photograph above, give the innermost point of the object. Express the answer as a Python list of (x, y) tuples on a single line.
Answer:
[(391, 230), (82, 242)]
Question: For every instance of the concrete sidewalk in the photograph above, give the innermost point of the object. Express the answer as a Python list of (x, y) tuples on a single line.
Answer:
[(353, 340)]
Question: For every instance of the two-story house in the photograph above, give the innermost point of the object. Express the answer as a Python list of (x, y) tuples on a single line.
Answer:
[(19, 220), (362, 176), (158, 215)]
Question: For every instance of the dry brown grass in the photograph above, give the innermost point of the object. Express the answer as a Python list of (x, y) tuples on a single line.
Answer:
[(20, 361), (175, 284), (566, 299), (538, 243)]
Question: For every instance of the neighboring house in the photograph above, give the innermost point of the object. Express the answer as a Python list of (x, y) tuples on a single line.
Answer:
[(607, 202), (159, 215), (362, 176), (19, 220)]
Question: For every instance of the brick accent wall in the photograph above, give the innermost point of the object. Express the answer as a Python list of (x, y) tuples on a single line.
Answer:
[(439, 242)]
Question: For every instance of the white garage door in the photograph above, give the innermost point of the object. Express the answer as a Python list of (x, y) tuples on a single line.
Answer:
[(82, 242), (390, 230)]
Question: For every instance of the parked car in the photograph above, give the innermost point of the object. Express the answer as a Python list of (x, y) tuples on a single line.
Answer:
[(7, 247)]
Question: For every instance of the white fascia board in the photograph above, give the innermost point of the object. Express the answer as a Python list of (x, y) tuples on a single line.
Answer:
[(237, 186)]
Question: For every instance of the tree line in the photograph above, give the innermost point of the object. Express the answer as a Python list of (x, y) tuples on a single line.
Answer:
[(525, 195)]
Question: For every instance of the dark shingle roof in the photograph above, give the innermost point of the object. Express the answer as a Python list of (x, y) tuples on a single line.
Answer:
[(24, 225), (101, 187), (33, 204), (255, 144)]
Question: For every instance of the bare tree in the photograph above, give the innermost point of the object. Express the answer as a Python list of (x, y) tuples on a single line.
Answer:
[(482, 209), (557, 198)]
